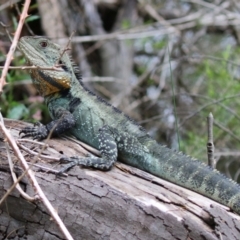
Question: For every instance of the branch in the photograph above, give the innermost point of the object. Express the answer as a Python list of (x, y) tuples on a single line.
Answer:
[(23, 16), (34, 182), (54, 68), (210, 144)]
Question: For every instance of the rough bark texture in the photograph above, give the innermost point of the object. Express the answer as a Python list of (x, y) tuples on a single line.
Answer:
[(124, 203)]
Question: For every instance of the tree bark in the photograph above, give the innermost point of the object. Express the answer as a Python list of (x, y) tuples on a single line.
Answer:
[(124, 203)]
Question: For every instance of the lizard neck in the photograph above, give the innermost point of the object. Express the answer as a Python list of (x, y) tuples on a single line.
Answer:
[(77, 86), (76, 89), (57, 95), (47, 85)]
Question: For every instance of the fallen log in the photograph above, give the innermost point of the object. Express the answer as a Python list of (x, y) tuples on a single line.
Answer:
[(124, 203)]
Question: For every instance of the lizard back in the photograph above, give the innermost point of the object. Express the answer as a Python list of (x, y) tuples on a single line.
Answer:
[(75, 109)]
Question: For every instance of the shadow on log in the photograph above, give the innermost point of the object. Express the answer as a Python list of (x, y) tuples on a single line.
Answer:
[(124, 203)]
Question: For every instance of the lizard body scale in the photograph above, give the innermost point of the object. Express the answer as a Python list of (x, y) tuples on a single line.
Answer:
[(77, 110)]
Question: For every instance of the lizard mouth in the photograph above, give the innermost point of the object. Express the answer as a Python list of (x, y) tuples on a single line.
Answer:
[(47, 79)]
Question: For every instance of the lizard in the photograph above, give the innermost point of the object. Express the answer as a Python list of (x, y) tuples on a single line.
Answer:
[(76, 110)]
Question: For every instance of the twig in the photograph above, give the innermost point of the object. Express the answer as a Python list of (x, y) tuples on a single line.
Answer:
[(65, 49), (6, 30), (91, 49), (41, 156), (25, 23), (210, 144), (201, 17), (205, 106), (55, 68), (7, 4), (33, 141), (212, 58), (212, 6), (228, 109), (230, 153), (33, 180), (46, 169), (121, 36), (101, 79), (23, 16), (164, 72), (37, 153), (226, 130), (15, 179), (154, 14)]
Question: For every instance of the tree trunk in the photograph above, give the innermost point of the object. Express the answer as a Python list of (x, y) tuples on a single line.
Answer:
[(124, 203)]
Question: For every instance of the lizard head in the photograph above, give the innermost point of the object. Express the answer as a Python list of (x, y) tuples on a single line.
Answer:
[(54, 67)]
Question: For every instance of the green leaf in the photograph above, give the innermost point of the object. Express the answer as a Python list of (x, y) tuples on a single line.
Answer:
[(32, 18), (17, 112)]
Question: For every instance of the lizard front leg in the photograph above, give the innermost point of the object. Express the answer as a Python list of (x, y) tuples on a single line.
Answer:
[(107, 148), (64, 122)]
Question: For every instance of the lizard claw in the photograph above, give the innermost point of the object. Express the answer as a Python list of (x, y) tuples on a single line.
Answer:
[(70, 162), (38, 131)]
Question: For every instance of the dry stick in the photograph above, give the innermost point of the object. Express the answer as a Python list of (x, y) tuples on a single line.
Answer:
[(35, 67), (123, 35), (35, 184), (7, 4), (37, 153), (226, 130), (23, 16), (230, 153), (205, 106), (210, 144), (219, 103), (189, 21), (212, 58), (101, 79), (33, 141), (65, 49), (47, 169), (15, 179), (25, 23), (213, 6), (6, 30), (91, 49), (216, 123), (152, 12), (11, 169)]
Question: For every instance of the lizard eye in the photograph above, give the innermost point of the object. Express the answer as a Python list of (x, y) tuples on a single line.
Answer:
[(43, 44)]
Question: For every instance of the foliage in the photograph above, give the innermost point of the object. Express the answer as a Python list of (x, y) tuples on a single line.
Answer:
[(221, 88)]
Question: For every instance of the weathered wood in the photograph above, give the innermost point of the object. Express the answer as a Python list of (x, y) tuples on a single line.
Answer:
[(124, 203)]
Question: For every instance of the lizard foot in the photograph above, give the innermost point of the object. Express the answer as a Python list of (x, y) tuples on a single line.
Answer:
[(88, 161), (38, 131), (70, 162), (73, 161)]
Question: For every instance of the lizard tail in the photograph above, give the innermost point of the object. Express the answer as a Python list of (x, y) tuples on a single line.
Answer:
[(192, 174)]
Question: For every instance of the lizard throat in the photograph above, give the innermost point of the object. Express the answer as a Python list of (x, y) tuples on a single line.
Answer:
[(46, 85)]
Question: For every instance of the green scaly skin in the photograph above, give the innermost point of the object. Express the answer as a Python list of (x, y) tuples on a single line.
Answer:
[(76, 110)]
